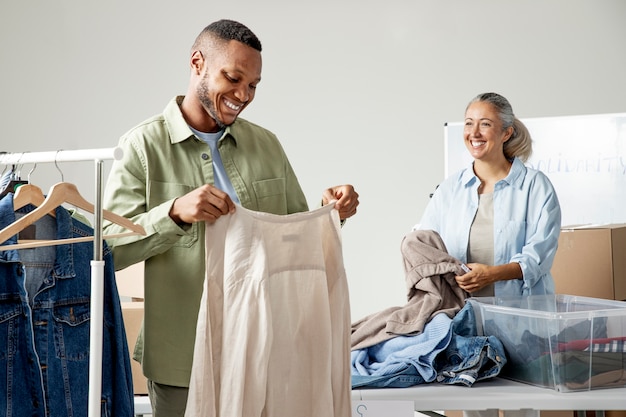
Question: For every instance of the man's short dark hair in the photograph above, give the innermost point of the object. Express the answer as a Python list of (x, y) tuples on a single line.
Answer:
[(230, 30)]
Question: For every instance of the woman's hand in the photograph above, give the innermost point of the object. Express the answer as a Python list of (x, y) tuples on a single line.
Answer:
[(482, 275)]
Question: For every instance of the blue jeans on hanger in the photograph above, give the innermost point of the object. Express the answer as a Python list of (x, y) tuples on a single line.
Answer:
[(44, 325)]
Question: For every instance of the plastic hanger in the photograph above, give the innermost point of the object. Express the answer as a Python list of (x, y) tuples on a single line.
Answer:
[(63, 192), (11, 187), (14, 182)]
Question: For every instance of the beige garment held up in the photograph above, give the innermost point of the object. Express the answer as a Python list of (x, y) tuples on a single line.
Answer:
[(273, 333)]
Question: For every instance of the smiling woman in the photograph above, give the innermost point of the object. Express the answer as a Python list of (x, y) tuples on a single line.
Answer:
[(498, 216), (494, 137)]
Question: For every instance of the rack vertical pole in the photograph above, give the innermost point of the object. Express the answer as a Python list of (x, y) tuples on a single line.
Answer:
[(97, 302)]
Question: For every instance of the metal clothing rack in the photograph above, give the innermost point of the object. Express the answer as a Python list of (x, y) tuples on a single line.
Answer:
[(97, 264)]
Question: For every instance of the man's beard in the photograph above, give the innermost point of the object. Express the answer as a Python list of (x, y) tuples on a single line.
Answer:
[(209, 104)]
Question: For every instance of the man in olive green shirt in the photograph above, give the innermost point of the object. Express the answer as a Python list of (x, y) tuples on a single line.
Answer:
[(171, 182)]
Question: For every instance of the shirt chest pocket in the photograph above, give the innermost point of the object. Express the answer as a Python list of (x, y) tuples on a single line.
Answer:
[(511, 237), (71, 330), (271, 195)]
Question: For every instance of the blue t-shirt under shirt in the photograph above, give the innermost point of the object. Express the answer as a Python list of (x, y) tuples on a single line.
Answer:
[(220, 177)]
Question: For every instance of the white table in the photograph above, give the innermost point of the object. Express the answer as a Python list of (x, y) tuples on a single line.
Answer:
[(142, 406), (498, 393)]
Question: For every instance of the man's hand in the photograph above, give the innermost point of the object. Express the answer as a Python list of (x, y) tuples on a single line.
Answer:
[(205, 203), (347, 200)]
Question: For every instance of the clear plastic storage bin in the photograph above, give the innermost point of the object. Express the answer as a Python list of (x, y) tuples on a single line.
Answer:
[(563, 342)]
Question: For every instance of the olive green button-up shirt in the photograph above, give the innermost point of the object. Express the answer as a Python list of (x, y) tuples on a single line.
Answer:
[(163, 160)]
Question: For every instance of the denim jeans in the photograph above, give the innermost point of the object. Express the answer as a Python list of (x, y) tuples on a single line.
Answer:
[(44, 325), (469, 358)]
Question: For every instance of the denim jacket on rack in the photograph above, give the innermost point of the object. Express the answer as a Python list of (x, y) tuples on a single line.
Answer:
[(44, 327)]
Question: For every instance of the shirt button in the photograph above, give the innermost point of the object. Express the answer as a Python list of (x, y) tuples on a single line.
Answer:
[(205, 156)]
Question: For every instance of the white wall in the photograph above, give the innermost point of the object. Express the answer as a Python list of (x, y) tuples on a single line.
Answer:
[(358, 91)]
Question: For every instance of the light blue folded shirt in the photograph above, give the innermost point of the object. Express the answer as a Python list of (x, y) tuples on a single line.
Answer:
[(396, 354)]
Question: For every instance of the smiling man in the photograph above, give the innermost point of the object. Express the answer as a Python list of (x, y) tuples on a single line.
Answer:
[(186, 167)]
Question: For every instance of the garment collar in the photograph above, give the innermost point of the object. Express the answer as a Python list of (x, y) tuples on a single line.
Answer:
[(515, 176), (64, 265)]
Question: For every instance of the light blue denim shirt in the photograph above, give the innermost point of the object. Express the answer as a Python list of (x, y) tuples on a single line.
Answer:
[(527, 223)]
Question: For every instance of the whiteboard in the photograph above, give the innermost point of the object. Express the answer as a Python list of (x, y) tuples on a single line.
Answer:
[(584, 157)]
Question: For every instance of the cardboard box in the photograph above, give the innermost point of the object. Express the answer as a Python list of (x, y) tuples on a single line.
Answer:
[(130, 282), (591, 261), (130, 288), (132, 311)]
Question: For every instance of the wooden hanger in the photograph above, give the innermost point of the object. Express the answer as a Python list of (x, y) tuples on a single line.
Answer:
[(29, 194), (63, 192)]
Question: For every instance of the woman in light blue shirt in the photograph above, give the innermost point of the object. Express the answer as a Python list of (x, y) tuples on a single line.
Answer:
[(500, 217)]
